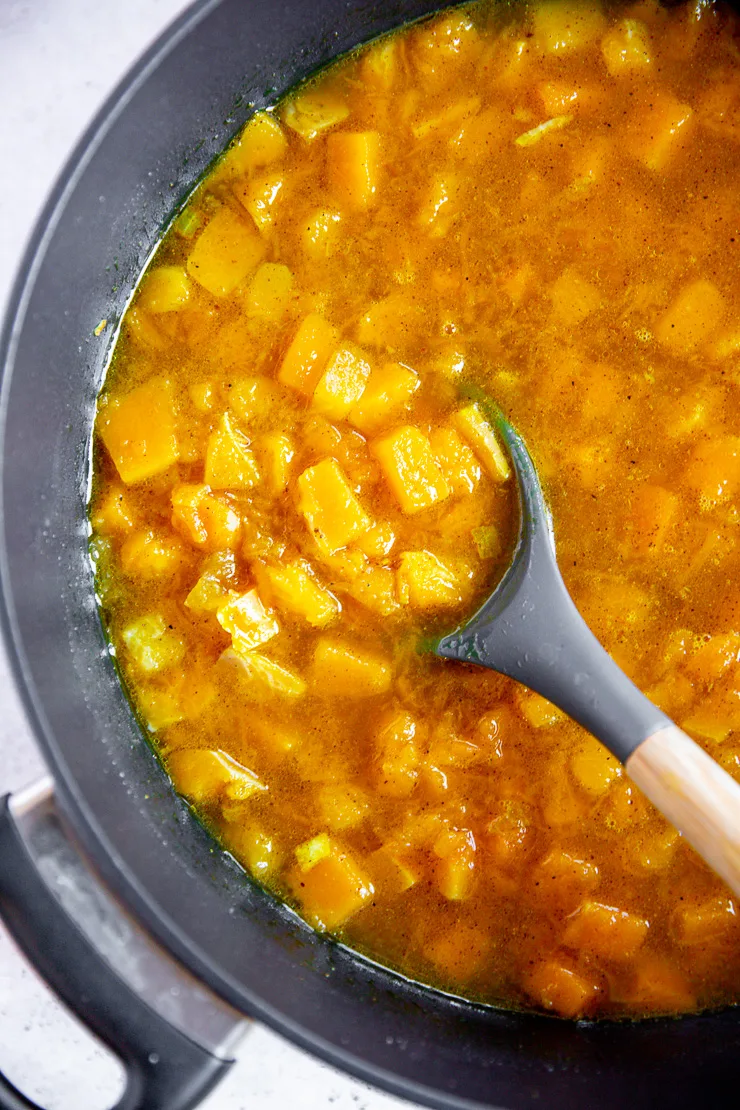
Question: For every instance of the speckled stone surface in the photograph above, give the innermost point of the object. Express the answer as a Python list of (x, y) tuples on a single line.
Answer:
[(58, 60)]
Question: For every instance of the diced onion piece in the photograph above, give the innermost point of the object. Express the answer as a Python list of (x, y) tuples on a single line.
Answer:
[(535, 134), (473, 426), (153, 643), (314, 112), (230, 463), (263, 676), (245, 619)]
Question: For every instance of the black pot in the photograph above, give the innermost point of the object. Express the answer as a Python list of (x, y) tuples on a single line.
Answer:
[(143, 154)]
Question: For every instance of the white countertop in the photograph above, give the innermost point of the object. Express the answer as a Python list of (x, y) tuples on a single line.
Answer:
[(58, 60)]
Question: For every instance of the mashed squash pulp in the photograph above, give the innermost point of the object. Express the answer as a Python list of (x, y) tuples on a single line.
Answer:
[(291, 492)]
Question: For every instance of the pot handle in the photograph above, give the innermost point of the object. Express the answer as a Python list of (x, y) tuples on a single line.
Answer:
[(165, 1070)]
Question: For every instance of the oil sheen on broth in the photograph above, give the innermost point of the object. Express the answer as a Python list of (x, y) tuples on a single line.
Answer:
[(290, 492)]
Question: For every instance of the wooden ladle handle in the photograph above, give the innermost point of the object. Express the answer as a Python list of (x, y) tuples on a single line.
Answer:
[(695, 794)]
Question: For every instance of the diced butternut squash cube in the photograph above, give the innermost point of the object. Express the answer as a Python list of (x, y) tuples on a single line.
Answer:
[(159, 707), (250, 399), (396, 755), (143, 331), (389, 388), (259, 196), (253, 847), (344, 670), (606, 932), (153, 643), (225, 252), (150, 555), (659, 131), (510, 832), (378, 541), (559, 988), (696, 312), (245, 619), (164, 289), (319, 232), (594, 768), (573, 298), (563, 879), (538, 711), (658, 987), (204, 519), (204, 776), (263, 677), (353, 160), (308, 354), (332, 889), (713, 470), (410, 468), (436, 44), (375, 588), (391, 871), (295, 589), (459, 465), (342, 384), (230, 463), (277, 453), (652, 511), (454, 871), (566, 27), (707, 923), (314, 112), (626, 48), (262, 142), (473, 427), (657, 852), (424, 581), (269, 291), (114, 515), (334, 515), (139, 430), (203, 394)]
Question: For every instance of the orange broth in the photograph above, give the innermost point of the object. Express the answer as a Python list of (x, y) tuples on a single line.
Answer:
[(290, 493)]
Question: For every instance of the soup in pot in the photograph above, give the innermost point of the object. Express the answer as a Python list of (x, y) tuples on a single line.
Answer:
[(295, 490)]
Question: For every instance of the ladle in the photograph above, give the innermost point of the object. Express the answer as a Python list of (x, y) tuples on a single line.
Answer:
[(530, 629)]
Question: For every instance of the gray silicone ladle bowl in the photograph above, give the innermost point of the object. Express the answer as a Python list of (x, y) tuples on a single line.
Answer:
[(529, 628)]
